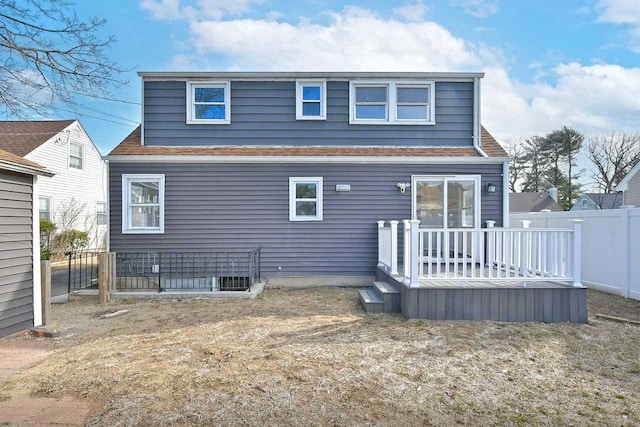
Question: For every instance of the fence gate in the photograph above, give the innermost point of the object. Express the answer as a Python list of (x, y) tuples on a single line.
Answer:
[(82, 271)]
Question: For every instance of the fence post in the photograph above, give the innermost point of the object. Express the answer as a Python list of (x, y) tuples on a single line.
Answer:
[(490, 249), (394, 247), (415, 258), (577, 252), (112, 272), (104, 277), (545, 215), (45, 285), (406, 253), (380, 255)]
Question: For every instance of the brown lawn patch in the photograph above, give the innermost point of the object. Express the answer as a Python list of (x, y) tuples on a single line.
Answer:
[(313, 357)]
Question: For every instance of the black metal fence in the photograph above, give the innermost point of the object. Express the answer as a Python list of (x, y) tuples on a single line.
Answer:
[(82, 271), (187, 271)]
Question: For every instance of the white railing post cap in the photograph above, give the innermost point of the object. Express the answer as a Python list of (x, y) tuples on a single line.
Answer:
[(392, 222), (490, 223), (525, 223), (380, 224), (577, 221), (414, 221)]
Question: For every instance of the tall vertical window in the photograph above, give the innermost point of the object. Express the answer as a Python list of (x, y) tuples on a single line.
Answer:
[(311, 100), (44, 206), (101, 213), (208, 102), (143, 203), (76, 152), (305, 199)]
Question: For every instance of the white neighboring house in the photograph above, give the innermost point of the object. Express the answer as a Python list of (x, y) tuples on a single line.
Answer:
[(76, 196)]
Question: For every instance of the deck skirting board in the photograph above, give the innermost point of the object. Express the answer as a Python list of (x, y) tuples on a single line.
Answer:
[(504, 304)]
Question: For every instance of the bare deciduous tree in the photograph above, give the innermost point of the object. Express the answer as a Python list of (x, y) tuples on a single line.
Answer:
[(518, 164), (67, 214), (48, 55), (612, 155)]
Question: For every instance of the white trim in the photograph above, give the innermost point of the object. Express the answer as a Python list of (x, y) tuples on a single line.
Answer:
[(108, 179), (293, 75), (192, 85), (476, 116), (391, 116), (37, 289), (142, 112), (126, 180), (304, 159), (505, 194), (624, 184), (20, 168), (292, 198), (323, 98), (477, 193)]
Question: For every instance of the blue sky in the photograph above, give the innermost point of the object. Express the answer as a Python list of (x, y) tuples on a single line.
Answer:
[(547, 63)]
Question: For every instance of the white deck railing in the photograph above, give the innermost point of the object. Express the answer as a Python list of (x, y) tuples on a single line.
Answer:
[(481, 254)]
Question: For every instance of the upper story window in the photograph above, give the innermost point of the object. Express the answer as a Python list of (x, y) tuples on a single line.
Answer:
[(142, 204), (311, 100), (76, 152), (208, 102), (44, 205), (392, 102), (305, 199)]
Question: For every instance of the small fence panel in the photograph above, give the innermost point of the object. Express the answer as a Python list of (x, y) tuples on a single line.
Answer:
[(187, 271), (81, 271)]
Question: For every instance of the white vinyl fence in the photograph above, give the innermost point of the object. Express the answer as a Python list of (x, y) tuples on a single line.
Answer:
[(610, 245)]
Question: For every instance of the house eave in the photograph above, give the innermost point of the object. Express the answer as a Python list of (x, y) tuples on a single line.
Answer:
[(16, 167), (292, 75), (304, 159)]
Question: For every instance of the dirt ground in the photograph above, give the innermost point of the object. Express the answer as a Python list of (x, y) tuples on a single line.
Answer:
[(313, 357)]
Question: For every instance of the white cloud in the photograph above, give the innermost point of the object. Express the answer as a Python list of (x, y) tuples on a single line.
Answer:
[(593, 98), (477, 8), (413, 12), (623, 12)]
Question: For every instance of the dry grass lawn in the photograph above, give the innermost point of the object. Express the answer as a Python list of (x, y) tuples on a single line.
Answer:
[(313, 357)]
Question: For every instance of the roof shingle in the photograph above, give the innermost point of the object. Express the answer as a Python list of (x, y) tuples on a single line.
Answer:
[(22, 137), (10, 157), (130, 146)]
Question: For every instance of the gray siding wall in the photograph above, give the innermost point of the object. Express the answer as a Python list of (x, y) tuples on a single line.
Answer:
[(242, 206), (632, 195), (264, 113), (16, 262)]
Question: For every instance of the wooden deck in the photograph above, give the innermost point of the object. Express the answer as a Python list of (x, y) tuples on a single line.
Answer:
[(507, 301)]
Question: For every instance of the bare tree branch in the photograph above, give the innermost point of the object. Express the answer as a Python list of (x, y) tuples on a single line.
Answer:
[(613, 155), (48, 55)]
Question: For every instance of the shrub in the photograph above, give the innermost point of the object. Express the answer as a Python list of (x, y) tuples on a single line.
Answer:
[(72, 240), (47, 228)]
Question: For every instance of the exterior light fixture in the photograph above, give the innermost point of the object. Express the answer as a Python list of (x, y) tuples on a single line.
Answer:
[(491, 188)]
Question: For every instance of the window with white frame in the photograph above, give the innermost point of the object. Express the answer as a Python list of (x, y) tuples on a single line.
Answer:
[(76, 152), (143, 204), (392, 102), (305, 199), (44, 207), (101, 213), (208, 102), (311, 100)]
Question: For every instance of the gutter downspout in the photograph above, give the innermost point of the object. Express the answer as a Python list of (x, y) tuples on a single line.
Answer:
[(477, 132)]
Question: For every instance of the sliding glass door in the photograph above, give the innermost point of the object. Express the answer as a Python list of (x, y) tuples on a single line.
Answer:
[(446, 201)]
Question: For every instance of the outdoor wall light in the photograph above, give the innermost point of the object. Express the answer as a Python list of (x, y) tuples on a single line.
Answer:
[(403, 186), (491, 188)]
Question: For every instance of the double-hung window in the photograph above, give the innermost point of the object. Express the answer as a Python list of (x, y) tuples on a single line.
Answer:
[(311, 100), (392, 102), (44, 207), (75, 155), (143, 204), (305, 199), (101, 213), (208, 103)]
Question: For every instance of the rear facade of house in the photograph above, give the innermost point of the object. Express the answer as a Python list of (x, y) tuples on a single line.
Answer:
[(302, 165)]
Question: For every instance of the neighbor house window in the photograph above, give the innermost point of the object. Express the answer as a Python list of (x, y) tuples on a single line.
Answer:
[(311, 100), (208, 102), (143, 203), (44, 205), (391, 102), (101, 213), (75, 156), (305, 199)]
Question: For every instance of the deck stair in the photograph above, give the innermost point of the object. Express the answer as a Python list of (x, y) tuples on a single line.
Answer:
[(382, 298)]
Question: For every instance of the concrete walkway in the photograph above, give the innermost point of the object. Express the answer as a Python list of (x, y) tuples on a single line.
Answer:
[(27, 411)]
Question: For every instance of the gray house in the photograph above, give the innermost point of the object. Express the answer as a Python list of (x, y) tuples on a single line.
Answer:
[(332, 178), (302, 165), (20, 304), (597, 201)]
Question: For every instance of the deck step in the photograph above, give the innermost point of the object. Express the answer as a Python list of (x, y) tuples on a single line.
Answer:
[(390, 294), (371, 301)]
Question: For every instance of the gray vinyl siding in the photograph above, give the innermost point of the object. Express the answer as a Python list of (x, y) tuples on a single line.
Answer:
[(242, 206), (264, 113), (16, 252), (632, 195)]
